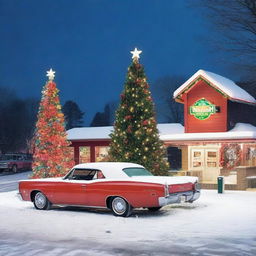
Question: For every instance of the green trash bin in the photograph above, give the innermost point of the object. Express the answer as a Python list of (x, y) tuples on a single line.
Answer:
[(220, 182)]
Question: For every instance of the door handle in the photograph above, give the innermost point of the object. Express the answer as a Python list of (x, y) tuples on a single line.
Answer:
[(83, 186)]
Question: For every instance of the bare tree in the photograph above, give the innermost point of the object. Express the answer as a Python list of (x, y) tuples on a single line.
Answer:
[(235, 21), (167, 109)]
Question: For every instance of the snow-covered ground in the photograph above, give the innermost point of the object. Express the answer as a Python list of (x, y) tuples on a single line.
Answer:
[(216, 224)]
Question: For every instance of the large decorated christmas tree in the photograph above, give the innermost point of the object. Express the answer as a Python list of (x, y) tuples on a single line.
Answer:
[(52, 156), (135, 137)]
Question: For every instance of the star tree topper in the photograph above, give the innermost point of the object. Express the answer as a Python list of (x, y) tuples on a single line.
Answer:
[(136, 54), (50, 74)]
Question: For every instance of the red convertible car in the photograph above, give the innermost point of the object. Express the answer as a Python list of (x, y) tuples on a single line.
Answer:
[(117, 186)]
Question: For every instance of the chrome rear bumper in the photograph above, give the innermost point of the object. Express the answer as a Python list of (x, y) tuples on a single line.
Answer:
[(188, 196)]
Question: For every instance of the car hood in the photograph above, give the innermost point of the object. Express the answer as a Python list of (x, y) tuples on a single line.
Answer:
[(166, 179)]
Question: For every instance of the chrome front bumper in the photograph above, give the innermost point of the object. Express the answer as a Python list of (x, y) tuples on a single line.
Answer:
[(188, 196)]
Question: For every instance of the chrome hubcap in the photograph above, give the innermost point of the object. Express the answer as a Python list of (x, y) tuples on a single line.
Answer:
[(40, 200), (119, 205)]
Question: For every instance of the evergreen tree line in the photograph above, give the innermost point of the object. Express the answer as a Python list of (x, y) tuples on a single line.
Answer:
[(18, 117), (17, 121)]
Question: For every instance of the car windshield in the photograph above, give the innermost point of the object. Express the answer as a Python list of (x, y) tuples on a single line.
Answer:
[(136, 171)]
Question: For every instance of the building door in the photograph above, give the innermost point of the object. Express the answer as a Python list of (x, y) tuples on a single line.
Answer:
[(205, 160), (211, 170)]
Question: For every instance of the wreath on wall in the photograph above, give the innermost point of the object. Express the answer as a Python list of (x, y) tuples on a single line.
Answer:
[(230, 155)]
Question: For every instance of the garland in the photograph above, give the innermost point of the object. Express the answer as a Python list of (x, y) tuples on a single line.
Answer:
[(230, 155)]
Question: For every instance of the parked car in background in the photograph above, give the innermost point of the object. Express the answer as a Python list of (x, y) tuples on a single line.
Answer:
[(119, 187), (15, 162)]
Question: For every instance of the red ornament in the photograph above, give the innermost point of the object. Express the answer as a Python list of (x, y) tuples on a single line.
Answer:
[(129, 129), (145, 122), (138, 66)]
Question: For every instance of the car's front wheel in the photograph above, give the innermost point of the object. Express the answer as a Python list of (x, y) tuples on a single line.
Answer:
[(120, 207), (41, 202)]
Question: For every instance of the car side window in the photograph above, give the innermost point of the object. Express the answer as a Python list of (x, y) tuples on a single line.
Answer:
[(100, 175), (82, 174)]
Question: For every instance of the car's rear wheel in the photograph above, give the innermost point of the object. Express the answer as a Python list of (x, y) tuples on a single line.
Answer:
[(154, 209), (41, 202), (120, 207)]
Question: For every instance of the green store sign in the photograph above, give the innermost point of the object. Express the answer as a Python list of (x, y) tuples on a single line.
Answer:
[(202, 109)]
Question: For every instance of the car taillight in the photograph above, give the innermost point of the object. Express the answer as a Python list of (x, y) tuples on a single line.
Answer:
[(166, 190)]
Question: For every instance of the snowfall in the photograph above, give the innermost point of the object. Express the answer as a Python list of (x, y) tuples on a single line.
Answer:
[(216, 224)]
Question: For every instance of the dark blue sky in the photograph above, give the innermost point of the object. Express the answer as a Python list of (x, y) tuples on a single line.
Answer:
[(88, 44)]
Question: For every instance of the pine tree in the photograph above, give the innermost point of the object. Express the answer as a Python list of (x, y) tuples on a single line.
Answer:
[(52, 156), (135, 137)]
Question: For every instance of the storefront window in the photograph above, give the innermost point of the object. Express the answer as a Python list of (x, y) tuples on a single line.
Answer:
[(212, 154), (101, 153), (212, 159), (197, 164), (197, 153), (84, 155), (211, 164), (197, 159)]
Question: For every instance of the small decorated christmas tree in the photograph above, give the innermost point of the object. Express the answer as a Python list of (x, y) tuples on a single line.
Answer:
[(135, 137), (52, 156)]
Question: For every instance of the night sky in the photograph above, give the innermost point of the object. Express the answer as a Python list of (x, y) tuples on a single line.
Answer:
[(88, 44)]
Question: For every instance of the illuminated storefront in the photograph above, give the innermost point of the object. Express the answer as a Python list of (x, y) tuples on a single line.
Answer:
[(215, 140)]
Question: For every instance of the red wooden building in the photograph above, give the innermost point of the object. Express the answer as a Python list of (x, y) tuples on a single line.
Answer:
[(217, 138)]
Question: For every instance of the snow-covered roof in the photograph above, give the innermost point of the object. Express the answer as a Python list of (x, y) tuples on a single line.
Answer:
[(240, 131), (89, 133), (223, 84), (99, 133), (168, 132)]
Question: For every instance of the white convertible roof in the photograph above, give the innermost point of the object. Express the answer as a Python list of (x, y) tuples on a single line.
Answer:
[(111, 170)]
